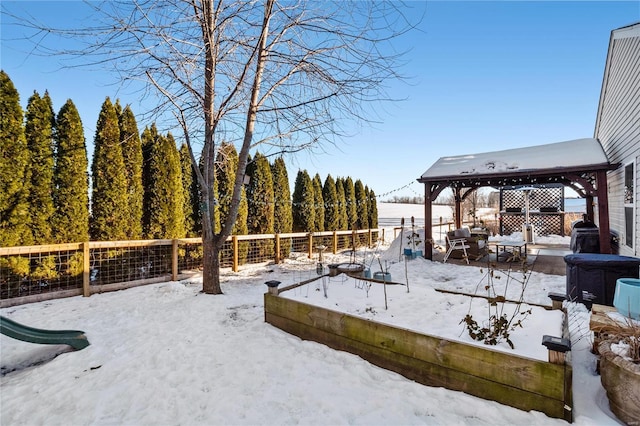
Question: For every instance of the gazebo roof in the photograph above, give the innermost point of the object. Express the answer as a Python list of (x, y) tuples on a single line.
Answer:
[(535, 164), (580, 164)]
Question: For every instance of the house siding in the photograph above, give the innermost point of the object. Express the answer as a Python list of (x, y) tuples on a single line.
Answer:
[(618, 127)]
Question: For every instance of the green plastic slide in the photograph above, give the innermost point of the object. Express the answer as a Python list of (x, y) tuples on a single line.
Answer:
[(73, 338)]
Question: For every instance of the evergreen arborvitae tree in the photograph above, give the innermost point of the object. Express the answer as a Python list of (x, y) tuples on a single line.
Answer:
[(192, 214), (217, 226), (14, 170), (362, 206), (132, 155), (331, 209), (350, 199), (343, 219), (216, 209), (166, 199), (147, 139), (373, 208), (71, 182), (303, 203), (109, 201), (118, 107), (241, 228), (39, 134), (227, 161), (177, 229), (260, 199), (319, 203), (260, 196), (283, 216)]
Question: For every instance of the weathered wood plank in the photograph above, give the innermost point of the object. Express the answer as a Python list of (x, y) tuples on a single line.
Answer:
[(104, 288), (481, 296), (40, 297), (519, 382), (49, 248), (532, 375)]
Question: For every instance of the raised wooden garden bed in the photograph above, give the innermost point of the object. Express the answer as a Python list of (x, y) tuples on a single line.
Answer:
[(513, 380)]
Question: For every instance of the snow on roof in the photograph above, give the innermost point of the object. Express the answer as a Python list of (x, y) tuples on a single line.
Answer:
[(578, 153)]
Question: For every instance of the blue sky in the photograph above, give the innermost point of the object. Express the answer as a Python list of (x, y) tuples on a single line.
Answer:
[(484, 76)]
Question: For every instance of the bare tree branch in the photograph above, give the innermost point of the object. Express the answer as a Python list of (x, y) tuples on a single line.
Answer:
[(287, 75)]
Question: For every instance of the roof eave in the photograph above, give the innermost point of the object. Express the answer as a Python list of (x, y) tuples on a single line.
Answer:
[(520, 173)]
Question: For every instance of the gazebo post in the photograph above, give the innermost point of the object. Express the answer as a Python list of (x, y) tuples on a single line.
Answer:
[(603, 212), (428, 229), (458, 198), (589, 208)]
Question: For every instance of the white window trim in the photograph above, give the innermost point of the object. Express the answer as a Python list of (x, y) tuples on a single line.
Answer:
[(634, 181)]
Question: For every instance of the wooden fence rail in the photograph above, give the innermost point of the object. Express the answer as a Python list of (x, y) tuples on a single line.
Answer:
[(34, 273)]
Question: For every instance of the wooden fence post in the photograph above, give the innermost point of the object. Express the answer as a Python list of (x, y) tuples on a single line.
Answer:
[(370, 237), (335, 242), (310, 245), (234, 239), (86, 270), (174, 260)]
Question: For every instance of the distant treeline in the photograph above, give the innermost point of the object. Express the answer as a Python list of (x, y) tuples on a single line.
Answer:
[(142, 185), (398, 199)]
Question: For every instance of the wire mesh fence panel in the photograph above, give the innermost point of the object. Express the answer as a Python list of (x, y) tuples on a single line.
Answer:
[(190, 256), (345, 242), (376, 237), (260, 251), (362, 240), (40, 272), (322, 244), (226, 255), (300, 245), (122, 264), (33, 270), (286, 247)]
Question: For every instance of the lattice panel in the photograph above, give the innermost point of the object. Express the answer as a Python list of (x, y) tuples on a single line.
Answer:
[(546, 205), (544, 224), (539, 198)]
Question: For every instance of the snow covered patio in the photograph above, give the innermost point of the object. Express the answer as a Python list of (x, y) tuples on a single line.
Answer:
[(544, 258)]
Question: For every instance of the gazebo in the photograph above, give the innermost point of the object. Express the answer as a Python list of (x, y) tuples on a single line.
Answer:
[(579, 164)]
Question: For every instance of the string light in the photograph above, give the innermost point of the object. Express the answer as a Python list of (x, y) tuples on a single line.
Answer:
[(399, 189), (284, 202), (407, 186)]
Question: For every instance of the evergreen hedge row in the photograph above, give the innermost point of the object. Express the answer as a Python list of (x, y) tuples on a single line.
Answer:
[(142, 186)]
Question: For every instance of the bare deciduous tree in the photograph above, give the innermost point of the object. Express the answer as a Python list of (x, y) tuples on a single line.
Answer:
[(286, 75)]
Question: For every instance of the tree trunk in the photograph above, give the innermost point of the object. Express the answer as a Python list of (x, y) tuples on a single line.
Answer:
[(211, 265)]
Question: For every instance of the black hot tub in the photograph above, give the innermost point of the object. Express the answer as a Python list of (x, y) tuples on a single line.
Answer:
[(591, 277)]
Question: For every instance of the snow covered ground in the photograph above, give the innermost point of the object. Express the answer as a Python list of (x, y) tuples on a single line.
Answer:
[(168, 354)]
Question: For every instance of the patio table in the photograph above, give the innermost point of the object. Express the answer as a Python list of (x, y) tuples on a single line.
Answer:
[(516, 249)]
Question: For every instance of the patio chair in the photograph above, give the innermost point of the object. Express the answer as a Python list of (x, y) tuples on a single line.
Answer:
[(477, 243), (457, 244)]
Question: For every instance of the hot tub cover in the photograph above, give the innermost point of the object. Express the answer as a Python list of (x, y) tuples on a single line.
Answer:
[(599, 260)]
